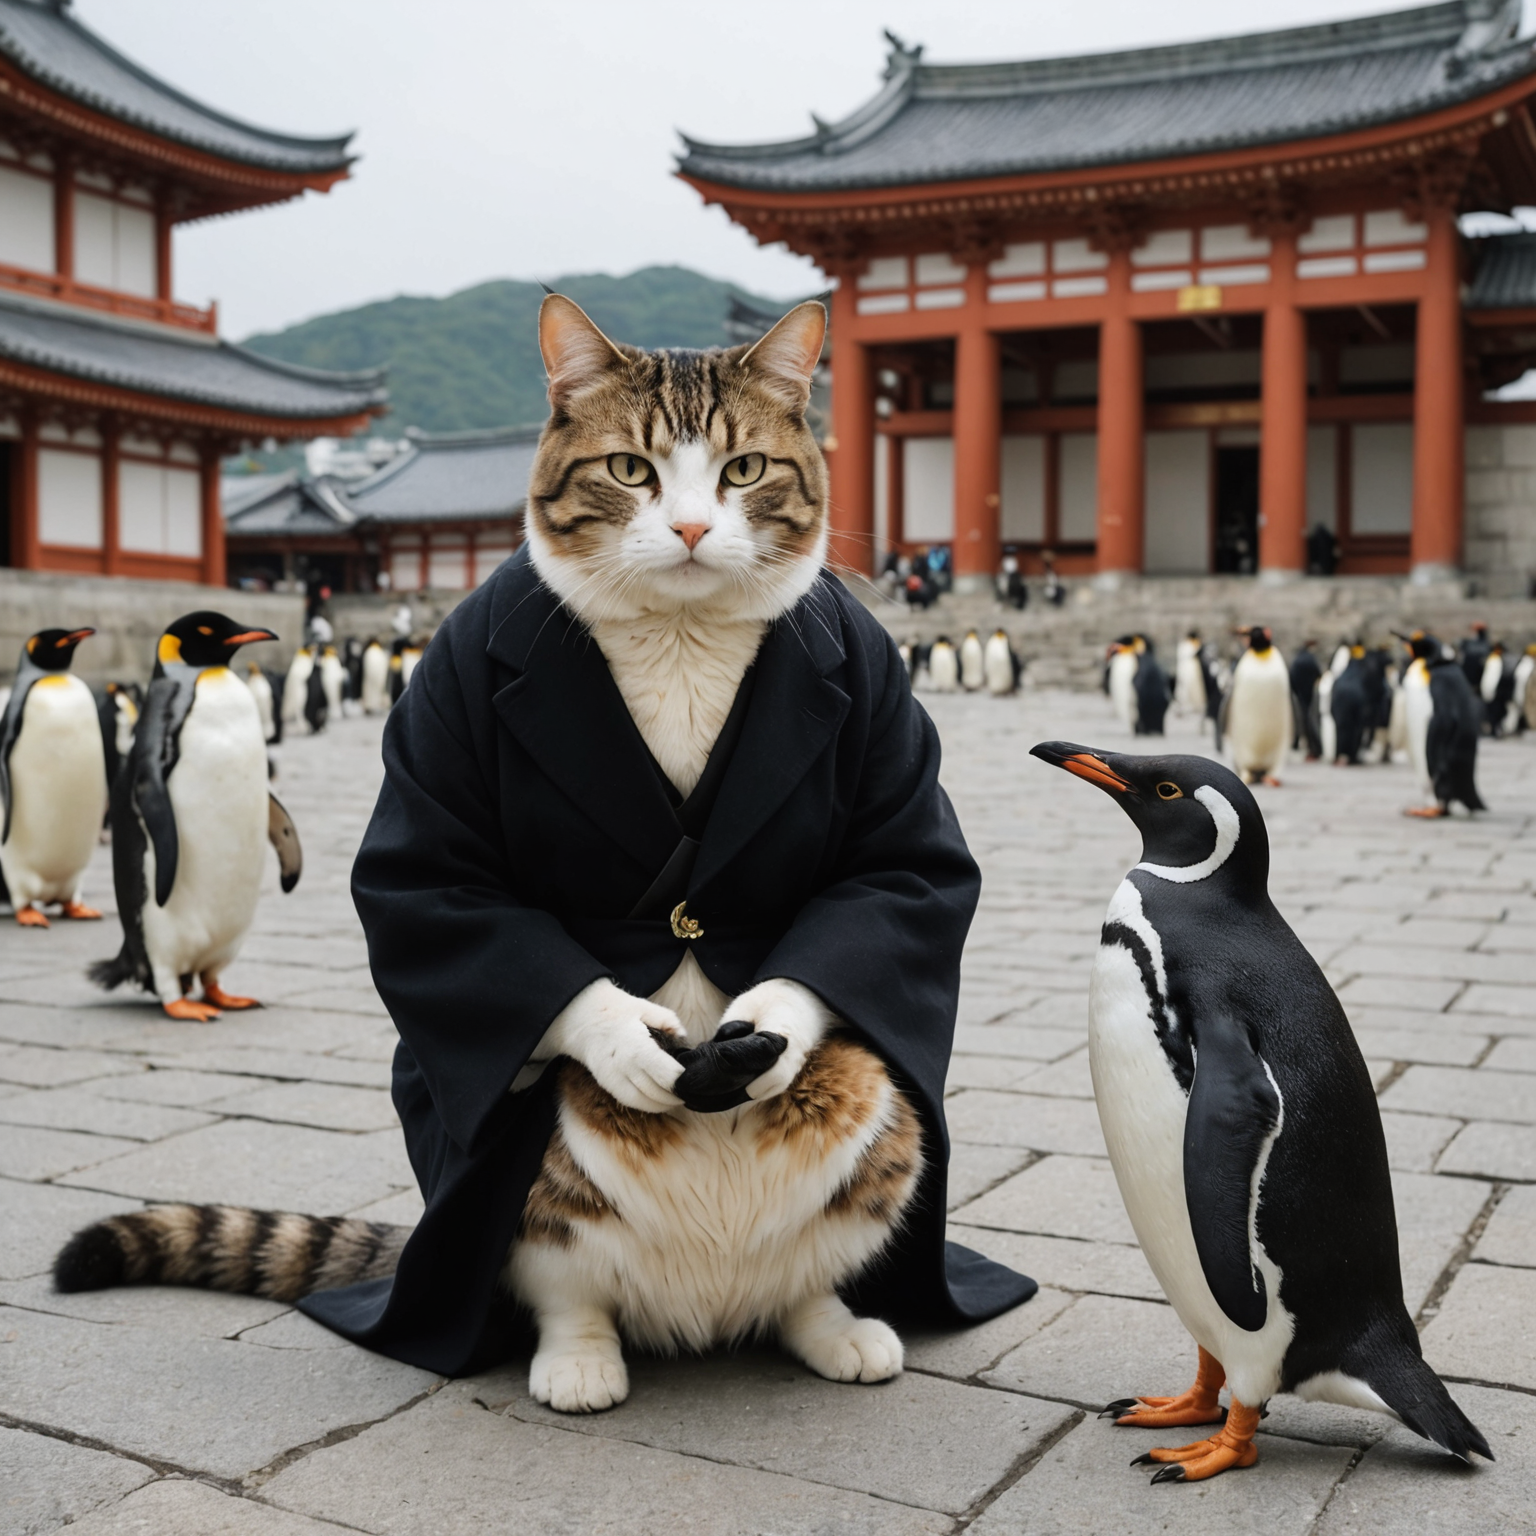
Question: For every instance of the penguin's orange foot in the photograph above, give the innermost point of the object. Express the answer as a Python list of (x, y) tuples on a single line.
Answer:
[(1427, 812), (81, 912), (221, 999), (1272, 781), (1231, 1446), (30, 917), (194, 1012), (1199, 1405)]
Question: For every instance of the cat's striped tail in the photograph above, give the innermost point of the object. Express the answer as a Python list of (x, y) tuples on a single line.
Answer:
[(228, 1248)]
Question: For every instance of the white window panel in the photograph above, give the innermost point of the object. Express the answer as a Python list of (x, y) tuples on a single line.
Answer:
[(405, 567), (1235, 277), (1387, 226), (9, 427), (488, 557), (1165, 248), (1023, 260), (1395, 261), (95, 239), (1153, 282), (445, 565), (1230, 242), (69, 498), (159, 510), (1014, 293), (1334, 232), (928, 481), (1023, 489), (885, 272), (1076, 256), (1078, 489), (883, 449), (1079, 287), (26, 221), (1323, 476), (938, 268), (1178, 497), (135, 269), (883, 304), (183, 513), (941, 298), (1381, 477), (1326, 266)]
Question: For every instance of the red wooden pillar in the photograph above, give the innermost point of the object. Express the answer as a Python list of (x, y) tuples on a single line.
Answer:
[(215, 567), (1439, 474), (895, 490), (64, 214), (163, 229), (111, 564), (851, 450), (1122, 435), (25, 542), (978, 429), (1283, 439)]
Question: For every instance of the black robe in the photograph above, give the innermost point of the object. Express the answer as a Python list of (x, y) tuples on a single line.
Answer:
[(521, 822)]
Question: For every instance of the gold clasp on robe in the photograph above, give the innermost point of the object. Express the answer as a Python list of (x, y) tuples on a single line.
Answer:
[(683, 926)]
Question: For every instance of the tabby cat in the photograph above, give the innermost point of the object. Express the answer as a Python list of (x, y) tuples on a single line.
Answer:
[(677, 506)]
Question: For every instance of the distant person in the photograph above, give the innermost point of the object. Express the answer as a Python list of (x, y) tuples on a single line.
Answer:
[(1010, 583), (1322, 551), (1054, 592), (401, 623)]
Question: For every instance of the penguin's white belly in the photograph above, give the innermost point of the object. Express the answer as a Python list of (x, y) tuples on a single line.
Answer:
[(971, 665), (218, 792), (331, 674), (1418, 707), (58, 791), (943, 673), (296, 688), (1142, 1111), (1259, 716), (999, 666), (1189, 685), (375, 680), (1122, 689)]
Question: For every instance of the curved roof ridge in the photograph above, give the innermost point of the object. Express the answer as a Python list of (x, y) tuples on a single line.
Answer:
[(475, 437), (357, 378), (51, 20)]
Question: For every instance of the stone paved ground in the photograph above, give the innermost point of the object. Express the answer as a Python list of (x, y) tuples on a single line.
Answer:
[(173, 1412)]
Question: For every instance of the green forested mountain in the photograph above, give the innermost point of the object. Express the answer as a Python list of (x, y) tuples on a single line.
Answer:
[(472, 359)]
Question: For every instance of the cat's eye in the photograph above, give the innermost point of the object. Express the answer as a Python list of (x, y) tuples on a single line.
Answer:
[(746, 469), (629, 468), (1168, 790)]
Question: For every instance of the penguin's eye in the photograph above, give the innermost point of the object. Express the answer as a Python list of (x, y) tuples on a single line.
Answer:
[(1168, 790), (629, 468), (745, 470)]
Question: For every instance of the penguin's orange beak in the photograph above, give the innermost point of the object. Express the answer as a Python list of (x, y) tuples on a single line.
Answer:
[(75, 637), (1082, 763), (250, 636)]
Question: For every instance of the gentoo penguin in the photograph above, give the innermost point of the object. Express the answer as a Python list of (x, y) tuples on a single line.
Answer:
[(1306, 672), (1189, 676), (943, 666), (1120, 678), (1444, 720), (1001, 664), (296, 685), (53, 779), (1151, 684), (1256, 710), (190, 814), (972, 662), (118, 713), (375, 685), (1242, 1127), (261, 691), (333, 679)]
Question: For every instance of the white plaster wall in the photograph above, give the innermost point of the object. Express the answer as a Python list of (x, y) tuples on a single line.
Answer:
[(1079, 488), (1381, 477), (928, 473), (26, 221), (114, 245), (1178, 497), (69, 498)]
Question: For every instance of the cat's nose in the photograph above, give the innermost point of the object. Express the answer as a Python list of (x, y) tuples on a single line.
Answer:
[(690, 533)]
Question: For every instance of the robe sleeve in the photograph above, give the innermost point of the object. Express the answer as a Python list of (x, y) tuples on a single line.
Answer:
[(472, 978), (881, 942)]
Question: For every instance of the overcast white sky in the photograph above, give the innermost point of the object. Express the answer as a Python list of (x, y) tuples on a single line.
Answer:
[(531, 138)]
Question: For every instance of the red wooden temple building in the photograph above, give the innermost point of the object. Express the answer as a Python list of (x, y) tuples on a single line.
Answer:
[(116, 400), (1168, 310)]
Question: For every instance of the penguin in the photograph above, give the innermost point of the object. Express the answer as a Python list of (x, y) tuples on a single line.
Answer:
[(1396, 750), (1242, 1127), (907, 650), (190, 812), (943, 666), (1474, 655), (117, 715), (397, 668), (972, 662), (1498, 688), (261, 691), (1525, 690), (296, 685), (316, 703), (1306, 672), (333, 679), (1444, 720), (1256, 711), (352, 660), (53, 780), (1151, 685), (1120, 678), (1350, 706), (409, 656), (1215, 677), (1001, 665), (374, 691), (1189, 676)]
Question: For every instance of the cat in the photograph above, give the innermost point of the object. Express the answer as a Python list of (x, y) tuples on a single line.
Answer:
[(677, 507)]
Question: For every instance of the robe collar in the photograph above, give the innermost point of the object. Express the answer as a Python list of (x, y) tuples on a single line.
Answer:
[(566, 711)]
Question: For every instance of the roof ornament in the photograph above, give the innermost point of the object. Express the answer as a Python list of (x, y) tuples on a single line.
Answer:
[(1491, 24), (901, 59)]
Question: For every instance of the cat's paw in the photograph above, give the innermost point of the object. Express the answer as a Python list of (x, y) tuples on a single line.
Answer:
[(787, 1008), (579, 1381), (840, 1346), (613, 1035)]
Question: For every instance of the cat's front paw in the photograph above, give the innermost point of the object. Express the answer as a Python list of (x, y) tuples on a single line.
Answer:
[(786, 1008), (842, 1347), (579, 1381)]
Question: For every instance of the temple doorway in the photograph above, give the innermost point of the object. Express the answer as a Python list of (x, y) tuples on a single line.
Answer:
[(1237, 511)]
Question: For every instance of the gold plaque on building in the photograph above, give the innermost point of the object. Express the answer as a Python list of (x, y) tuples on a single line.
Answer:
[(1199, 296)]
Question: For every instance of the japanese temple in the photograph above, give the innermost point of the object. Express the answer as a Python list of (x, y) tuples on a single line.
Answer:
[(117, 401), (1170, 310)]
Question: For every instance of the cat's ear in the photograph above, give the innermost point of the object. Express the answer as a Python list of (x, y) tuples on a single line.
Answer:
[(576, 354), (787, 356)]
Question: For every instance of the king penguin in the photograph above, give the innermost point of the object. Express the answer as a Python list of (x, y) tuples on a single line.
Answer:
[(1120, 678), (261, 691), (375, 689), (1444, 719), (190, 813), (1189, 676), (943, 666), (118, 714), (1525, 690), (1242, 1127), (1256, 710), (1151, 684), (1001, 665), (333, 679), (972, 662), (53, 779), (296, 685)]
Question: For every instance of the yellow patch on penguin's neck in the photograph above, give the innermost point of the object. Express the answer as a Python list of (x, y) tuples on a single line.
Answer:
[(52, 680), (169, 650), (214, 676)]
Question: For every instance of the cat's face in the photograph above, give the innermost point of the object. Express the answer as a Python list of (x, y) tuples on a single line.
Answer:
[(677, 480)]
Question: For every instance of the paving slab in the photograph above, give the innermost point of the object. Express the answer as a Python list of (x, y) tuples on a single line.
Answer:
[(974, 1168), (37, 1219), (1433, 1215), (1113, 1269), (964, 1354), (1414, 1142), (1494, 1151), (180, 1086), (33, 1066), (1025, 1120), (1467, 1094), (175, 1309), (30, 1152), (286, 1065), (1482, 1331), (456, 1469), (326, 1106), (985, 1072), (1032, 1042), (202, 1405), (1068, 1078), (181, 1507), (80, 1108), (1510, 1236), (1515, 1053), (1436, 1047), (1510, 1005), (46, 1482), (1059, 1197)]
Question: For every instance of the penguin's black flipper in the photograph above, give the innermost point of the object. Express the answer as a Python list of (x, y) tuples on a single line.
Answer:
[(131, 963), (10, 728), (284, 837), (1220, 717), (1233, 1111), (155, 751)]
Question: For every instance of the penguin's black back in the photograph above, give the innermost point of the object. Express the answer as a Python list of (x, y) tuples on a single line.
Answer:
[(1151, 696), (1351, 709), (1450, 744)]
